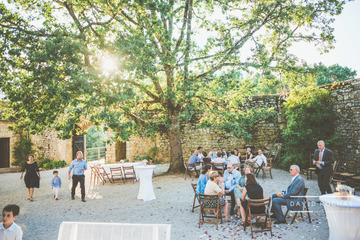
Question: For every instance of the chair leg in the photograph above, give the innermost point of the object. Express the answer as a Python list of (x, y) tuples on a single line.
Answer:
[(294, 218), (193, 203), (270, 173), (286, 213), (263, 172), (200, 215), (307, 209), (186, 170)]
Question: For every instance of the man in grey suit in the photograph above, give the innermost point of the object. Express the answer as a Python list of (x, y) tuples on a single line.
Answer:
[(288, 197), (323, 159)]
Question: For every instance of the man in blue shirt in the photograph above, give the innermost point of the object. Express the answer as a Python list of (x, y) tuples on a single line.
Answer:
[(231, 179), (79, 166), (195, 159)]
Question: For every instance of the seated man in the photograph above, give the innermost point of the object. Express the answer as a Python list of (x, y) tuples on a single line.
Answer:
[(258, 160), (225, 154), (231, 179), (213, 153), (296, 188), (233, 159), (195, 159), (219, 159)]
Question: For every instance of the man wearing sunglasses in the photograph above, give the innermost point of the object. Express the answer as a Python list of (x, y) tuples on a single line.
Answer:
[(289, 197)]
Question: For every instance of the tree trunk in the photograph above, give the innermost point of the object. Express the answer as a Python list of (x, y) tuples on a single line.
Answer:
[(176, 158)]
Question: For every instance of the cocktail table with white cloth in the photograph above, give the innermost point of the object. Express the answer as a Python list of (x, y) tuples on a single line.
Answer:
[(146, 190), (112, 231), (343, 216), (116, 165)]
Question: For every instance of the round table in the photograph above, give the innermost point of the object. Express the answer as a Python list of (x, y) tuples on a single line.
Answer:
[(146, 190), (343, 216)]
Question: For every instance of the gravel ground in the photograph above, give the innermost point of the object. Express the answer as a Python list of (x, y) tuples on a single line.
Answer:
[(117, 202)]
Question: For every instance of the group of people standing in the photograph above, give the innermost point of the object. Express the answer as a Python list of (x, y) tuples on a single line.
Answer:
[(32, 176)]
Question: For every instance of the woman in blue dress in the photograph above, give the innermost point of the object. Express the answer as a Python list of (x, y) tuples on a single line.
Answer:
[(203, 179)]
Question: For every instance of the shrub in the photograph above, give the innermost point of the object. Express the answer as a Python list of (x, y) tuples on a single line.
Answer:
[(49, 164), (309, 118), (21, 150)]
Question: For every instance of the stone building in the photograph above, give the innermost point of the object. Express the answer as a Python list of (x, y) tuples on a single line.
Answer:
[(266, 133)]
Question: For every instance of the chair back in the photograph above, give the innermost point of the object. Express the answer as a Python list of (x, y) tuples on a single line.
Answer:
[(206, 160), (191, 165), (116, 171), (259, 203), (237, 165), (206, 198), (335, 166), (311, 160), (193, 185), (129, 170)]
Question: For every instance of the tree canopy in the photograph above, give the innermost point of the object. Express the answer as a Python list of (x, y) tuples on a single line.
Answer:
[(171, 58)]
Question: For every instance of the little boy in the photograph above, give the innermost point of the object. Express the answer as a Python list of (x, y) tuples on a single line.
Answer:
[(56, 184), (8, 229)]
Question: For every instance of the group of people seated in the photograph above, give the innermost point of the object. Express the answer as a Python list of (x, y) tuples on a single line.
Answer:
[(221, 159), (241, 187)]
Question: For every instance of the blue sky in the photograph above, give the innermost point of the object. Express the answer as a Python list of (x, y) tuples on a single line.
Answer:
[(347, 47)]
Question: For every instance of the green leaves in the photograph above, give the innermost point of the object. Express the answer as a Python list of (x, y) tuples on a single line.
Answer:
[(310, 118)]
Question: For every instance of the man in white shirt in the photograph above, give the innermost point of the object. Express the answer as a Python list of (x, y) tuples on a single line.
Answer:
[(258, 160), (219, 159), (233, 159), (213, 153), (200, 155)]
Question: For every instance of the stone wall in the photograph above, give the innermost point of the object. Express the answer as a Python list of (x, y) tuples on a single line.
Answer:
[(48, 145), (267, 135), (346, 97)]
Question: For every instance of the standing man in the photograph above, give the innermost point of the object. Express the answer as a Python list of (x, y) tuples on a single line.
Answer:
[(323, 159), (231, 179), (79, 166)]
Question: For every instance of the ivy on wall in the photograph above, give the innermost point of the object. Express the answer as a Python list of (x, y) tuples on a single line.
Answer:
[(21, 150), (310, 118)]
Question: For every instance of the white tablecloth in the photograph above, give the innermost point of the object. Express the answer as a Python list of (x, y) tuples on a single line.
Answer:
[(114, 165), (112, 231), (146, 190), (343, 217)]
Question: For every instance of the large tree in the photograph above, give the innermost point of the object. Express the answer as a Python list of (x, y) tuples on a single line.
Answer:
[(172, 57)]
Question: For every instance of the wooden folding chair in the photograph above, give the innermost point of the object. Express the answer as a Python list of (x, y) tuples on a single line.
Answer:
[(102, 173), (305, 206), (267, 168), (190, 168), (257, 169), (195, 197), (217, 166), (237, 165), (311, 169), (206, 204), (117, 172), (94, 175), (129, 173), (266, 214)]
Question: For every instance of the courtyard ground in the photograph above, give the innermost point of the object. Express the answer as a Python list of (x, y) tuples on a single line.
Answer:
[(117, 202)]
